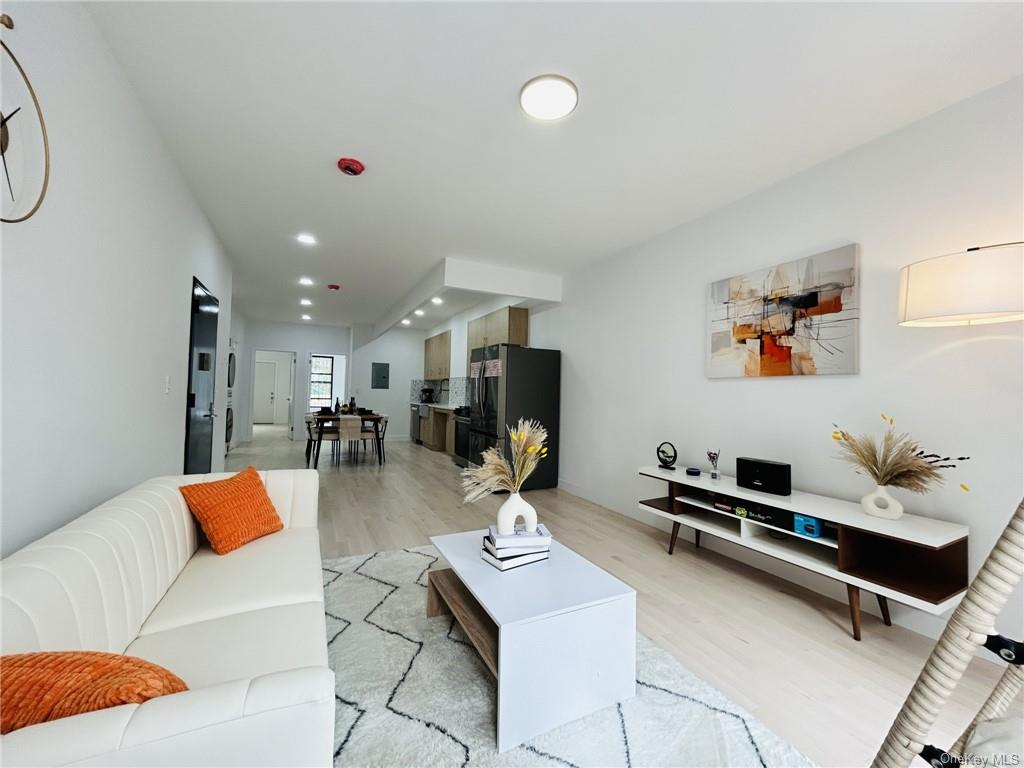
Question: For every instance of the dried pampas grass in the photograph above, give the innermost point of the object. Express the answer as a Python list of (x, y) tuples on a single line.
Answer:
[(897, 460), (496, 474)]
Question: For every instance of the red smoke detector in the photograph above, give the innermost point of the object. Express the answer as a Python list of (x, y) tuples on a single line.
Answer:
[(333, 287), (350, 166)]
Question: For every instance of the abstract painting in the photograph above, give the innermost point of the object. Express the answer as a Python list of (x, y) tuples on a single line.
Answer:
[(800, 318)]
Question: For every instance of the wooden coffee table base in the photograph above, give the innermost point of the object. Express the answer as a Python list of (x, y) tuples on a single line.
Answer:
[(446, 594)]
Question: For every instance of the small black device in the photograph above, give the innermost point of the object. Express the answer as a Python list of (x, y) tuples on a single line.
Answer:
[(667, 456), (693, 471), (763, 475)]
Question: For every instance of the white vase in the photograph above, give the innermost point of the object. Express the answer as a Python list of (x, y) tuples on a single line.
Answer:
[(516, 506), (880, 503)]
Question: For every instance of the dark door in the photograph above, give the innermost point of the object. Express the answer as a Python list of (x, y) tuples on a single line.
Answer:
[(202, 368)]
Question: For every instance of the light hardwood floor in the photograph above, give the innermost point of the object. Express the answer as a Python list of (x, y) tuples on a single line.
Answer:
[(782, 652)]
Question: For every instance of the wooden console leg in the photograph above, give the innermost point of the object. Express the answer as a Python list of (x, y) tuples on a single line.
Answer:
[(696, 538), (883, 605), (672, 541), (853, 594)]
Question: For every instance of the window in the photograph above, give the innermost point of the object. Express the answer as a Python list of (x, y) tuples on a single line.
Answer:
[(321, 381)]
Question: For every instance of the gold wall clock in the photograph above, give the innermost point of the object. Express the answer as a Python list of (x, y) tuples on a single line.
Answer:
[(24, 147)]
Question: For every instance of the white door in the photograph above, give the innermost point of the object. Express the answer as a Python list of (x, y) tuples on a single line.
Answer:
[(263, 393)]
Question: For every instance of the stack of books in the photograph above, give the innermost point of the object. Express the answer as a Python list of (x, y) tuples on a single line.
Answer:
[(515, 549)]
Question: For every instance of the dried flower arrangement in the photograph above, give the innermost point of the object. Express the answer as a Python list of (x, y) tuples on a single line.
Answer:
[(495, 474), (897, 460)]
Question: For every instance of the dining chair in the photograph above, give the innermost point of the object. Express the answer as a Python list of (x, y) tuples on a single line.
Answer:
[(331, 434), (383, 430), (310, 436), (369, 433), (350, 430)]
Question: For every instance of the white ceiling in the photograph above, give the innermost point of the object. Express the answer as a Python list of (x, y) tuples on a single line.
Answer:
[(683, 108)]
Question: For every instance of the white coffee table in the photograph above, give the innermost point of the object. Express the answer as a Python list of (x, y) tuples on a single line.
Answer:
[(559, 635)]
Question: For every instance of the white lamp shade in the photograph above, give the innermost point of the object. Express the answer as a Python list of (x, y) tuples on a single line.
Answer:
[(969, 288)]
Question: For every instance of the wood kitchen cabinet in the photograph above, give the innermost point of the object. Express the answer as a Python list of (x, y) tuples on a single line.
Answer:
[(434, 429), (437, 356), (508, 325)]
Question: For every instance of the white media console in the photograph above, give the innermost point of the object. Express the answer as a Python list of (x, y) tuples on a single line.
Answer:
[(916, 561)]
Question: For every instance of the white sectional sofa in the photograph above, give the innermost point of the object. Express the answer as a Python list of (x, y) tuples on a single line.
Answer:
[(245, 631)]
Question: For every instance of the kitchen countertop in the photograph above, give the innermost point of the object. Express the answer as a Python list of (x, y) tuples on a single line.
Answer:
[(438, 406)]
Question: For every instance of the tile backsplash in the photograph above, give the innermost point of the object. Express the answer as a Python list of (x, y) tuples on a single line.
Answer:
[(453, 392)]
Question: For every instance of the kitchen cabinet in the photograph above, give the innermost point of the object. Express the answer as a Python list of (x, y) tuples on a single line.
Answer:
[(508, 325), (437, 356), (434, 429), (449, 442)]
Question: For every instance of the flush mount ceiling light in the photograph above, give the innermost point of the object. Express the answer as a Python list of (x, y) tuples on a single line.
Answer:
[(975, 287), (549, 97), (437, 300), (305, 281), (306, 317), (418, 313), (406, 321), (305, 238), (306, 302)]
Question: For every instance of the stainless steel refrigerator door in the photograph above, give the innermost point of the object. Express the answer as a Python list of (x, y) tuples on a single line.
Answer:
[(476, 389), (501, 392)]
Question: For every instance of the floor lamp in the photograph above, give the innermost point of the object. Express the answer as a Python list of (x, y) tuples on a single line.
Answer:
[(977, 286)]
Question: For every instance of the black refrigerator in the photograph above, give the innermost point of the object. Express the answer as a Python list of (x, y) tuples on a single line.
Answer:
[(508, 383)]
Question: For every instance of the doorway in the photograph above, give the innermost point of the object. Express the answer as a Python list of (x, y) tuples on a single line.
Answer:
[(263, 392), (273, 389), (202, 371)]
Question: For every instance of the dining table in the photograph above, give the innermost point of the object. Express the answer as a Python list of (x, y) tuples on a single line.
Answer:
[(322, 419)]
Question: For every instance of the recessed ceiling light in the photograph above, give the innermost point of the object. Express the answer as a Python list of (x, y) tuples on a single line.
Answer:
[(437, 300), (305, 281), (306, 317), (305, 238), (418, 313), (306, 302), (549, 97), (406, 321)]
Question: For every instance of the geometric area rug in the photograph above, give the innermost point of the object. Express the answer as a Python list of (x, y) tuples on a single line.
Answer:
[(411, 691)]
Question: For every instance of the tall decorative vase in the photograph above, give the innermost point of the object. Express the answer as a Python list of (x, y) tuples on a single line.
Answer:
[(516, 506), (880, 503)]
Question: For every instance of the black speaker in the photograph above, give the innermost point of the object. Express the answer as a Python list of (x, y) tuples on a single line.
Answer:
[(763, 475)]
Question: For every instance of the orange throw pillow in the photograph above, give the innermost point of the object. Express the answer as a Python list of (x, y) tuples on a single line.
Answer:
[(233, 512), (39, 687)]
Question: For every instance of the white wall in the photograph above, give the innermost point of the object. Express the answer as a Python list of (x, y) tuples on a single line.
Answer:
[(303, 339), (546, 326), (403, 349), (96, 291), (283, 393), (632, 334)]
